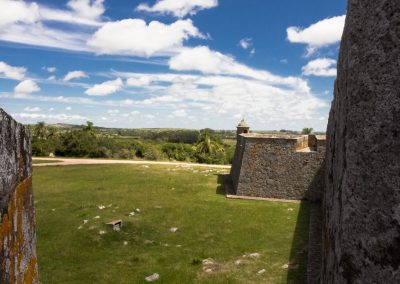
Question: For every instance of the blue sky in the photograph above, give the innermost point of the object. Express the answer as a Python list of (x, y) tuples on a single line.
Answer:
[(170, 63)]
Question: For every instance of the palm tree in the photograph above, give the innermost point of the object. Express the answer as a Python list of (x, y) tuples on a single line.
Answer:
[(206, 145), (307, 131)]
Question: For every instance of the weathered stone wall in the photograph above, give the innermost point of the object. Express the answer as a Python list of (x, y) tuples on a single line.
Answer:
[(362, 201), (274, 168), (17, 228)]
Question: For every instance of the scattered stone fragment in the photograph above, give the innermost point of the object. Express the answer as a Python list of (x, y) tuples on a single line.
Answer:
[(132, 214), (80, 227), (208, 270), (125, 243), (261, 271), (102, 232), (137, 210), (290, 209), (285, 266), (148, 242), (97, 217), (208, 261), (101, 207), (145, 166), (238, 262), (85, 221), (53, 209), (173, 229), (153, 277), (254, 255)]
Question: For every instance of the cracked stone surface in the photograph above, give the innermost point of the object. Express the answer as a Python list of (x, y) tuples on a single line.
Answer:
[(361, 235), (17, 228)]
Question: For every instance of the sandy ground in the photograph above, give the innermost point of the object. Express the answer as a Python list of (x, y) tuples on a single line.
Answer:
[(69, 162)]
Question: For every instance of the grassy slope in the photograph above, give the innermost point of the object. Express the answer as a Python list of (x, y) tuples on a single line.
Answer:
[(209, 226)]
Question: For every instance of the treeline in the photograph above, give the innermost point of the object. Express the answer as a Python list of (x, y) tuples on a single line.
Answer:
[(204, 146)]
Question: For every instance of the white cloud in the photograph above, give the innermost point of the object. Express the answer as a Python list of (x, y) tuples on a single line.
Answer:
[(50, 69), (113, 112), (323, 67), (178, 8), (139, 82), (179, 113), (321, 34), (89, 9), (17, 12), (11, 72), (51, 78), (212, 62), (50, 118), (32, 109), (68, 108), (135, 37), (245, 43), (75, 75), (106, 88), (26, 87)]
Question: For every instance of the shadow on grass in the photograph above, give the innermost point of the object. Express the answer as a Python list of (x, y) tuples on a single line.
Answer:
[(224, 184)]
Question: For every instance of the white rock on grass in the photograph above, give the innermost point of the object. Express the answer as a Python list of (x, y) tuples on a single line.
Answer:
[(102, 232), (285, 266), (153, 277), (238, 262), (125, 243), (290, 209), (132, 214), (254, 255), (261, 271), (97, 217), (208, 261), (85, 221), (101, 207), (173, 229), (137, 210)]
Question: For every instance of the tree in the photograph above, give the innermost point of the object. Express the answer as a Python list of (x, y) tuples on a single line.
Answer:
[(40, 130), (307, 131), (207, 145)]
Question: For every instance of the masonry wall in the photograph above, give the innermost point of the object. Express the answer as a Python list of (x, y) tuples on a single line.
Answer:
[(18, 262), (361, 233), (273, 168)]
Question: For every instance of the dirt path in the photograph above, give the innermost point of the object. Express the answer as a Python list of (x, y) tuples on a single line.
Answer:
[(70, 162)]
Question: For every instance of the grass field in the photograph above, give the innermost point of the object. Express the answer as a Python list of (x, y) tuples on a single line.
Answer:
[(71, 250)]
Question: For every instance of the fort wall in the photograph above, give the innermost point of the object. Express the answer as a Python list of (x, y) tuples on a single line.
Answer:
[(282, 167), (18, 262)]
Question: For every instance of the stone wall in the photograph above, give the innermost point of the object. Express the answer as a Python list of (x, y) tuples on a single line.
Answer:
[(278, 167), (362, 201), (17, 228)]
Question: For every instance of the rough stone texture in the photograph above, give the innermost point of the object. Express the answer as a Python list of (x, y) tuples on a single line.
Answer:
[(314, 244), (278, 167), (17, 228), (362, 200)]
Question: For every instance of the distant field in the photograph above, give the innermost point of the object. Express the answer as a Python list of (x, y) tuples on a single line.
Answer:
[(209, 226)]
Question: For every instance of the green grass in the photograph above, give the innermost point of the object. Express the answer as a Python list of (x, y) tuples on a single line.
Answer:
[(210, 226)]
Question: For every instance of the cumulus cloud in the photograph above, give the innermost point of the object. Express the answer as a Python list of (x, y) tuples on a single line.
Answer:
[(75, 75), (26, 87), (90, 9), (323, 67), (105, 88), (178, 8), (135, 37), (207, 61), (18, 12), (11, 72), (139, 82), (321, 34)]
